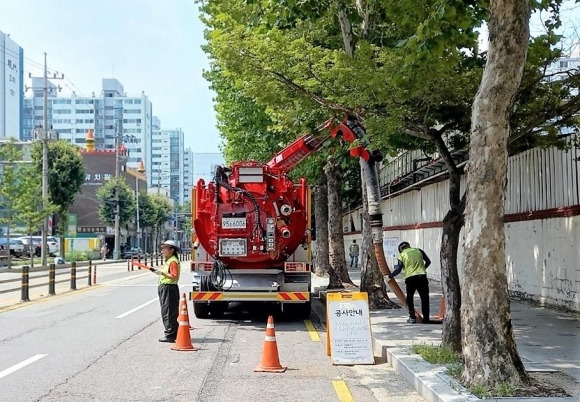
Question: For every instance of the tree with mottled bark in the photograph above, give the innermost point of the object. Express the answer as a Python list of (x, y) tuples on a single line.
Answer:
[(321, 259), (338, 271), (489, 349)]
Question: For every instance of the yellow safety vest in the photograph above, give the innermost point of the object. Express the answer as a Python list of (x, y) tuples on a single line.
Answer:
[(413, 263), (163, 280)]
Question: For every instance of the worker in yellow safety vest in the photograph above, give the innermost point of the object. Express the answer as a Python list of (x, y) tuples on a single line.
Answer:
[(168, 290), (414, 263)]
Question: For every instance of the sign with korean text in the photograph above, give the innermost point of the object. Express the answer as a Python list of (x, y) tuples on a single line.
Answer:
[(349, 328), (390, 245), (72, 225)]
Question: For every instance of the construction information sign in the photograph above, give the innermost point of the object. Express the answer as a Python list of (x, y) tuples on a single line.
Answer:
[(349, 327)]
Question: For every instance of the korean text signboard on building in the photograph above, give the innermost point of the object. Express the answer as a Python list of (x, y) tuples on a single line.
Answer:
[(349, 328)]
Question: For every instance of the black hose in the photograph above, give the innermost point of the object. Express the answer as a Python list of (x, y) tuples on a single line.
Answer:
[(218, 275)]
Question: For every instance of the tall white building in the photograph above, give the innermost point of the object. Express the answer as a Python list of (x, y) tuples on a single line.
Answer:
[(167, 158), (11, 87), (114, 116), (187, 174)]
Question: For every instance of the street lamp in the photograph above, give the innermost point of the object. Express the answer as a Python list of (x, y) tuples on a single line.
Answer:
[(140, 170)]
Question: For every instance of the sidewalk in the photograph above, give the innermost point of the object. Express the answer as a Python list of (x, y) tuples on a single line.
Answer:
[(547, 340)]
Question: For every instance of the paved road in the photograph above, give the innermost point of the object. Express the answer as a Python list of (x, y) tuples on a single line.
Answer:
[(100, 343)]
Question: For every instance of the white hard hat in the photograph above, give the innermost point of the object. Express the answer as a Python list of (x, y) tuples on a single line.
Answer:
[(172, 244)]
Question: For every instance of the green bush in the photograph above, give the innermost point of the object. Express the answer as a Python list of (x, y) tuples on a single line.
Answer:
[(77, 256)]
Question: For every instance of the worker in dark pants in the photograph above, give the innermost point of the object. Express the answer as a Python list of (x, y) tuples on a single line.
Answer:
[(414, 263), (168, 290)]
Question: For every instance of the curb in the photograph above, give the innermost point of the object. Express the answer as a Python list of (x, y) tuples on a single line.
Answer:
[(429, 381)]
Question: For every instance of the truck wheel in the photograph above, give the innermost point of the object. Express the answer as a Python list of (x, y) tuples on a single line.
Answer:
[(218, 309), (201, 310), (304, 310), (299, 311)]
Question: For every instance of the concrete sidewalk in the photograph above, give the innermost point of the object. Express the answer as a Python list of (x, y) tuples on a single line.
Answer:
[(547, 340)]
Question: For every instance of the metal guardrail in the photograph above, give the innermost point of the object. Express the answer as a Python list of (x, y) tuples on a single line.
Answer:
[(75, 271), (25, 285)]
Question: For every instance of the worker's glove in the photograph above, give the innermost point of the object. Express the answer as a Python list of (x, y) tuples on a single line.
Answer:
[(157, 272)]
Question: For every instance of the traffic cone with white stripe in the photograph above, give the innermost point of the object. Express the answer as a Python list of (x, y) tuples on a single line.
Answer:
[(270, 360), (183, 341), (187, 312)]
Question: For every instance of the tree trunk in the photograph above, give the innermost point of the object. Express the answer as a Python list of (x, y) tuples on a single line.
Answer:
[(489, 349), (338, 271), (452, 224), (371, 279), (322, 264)]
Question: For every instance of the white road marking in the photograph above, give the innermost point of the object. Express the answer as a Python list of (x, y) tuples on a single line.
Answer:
[(20, 365), (137, 308)]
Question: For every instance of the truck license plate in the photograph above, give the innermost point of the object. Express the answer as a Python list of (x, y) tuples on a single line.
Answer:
[(234, 223)]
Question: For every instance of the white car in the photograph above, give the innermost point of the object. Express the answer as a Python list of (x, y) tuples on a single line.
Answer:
[(52, 243), (16, 246)]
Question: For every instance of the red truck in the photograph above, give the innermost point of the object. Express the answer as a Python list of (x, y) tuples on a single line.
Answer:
[(252, 223)]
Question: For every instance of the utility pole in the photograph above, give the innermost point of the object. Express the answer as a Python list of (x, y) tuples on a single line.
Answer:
[(158, 180), (140, 170), (44, 135), (117, 211)]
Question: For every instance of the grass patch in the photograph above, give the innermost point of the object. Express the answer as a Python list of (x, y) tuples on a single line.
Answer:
[(503, 390), (455, 370), (480, 391), (436, 354), (442, 356)]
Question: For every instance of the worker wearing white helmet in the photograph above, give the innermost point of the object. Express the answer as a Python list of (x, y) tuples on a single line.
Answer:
[(168, 290)]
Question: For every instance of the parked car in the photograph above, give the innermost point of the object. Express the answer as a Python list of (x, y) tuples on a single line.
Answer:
[(16, 246), (3, 252), (35, 247), (133, 252), (52, 243)]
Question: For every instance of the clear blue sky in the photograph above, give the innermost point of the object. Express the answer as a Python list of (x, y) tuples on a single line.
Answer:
[(148, 45)]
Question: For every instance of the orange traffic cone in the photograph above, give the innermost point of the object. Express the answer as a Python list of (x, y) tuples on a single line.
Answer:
[(270, 361), (441, 314), (187, 312), (183, 341)]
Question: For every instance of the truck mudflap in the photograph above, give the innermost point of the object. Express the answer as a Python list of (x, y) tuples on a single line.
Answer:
[(285, 297)]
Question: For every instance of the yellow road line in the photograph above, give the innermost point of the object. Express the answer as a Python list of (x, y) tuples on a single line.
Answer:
[(342, 391), (312, 331)]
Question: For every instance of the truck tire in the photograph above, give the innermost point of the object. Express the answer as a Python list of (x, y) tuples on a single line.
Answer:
[(303, 310), (300, 311), (201, 310), (217, 309)]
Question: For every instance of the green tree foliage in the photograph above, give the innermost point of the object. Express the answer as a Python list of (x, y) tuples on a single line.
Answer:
[(29, 208), (161, 213), (107, 195), (10, 180), (20, 191), (66, 174), (146, 211)]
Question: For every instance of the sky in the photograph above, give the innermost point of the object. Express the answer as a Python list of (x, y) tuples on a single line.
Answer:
[(148, 45)]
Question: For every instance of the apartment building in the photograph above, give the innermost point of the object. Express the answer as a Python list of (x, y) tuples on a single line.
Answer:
[(11, 87), (113, 115)]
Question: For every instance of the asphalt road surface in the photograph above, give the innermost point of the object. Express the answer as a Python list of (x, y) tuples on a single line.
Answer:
[(101, 344)]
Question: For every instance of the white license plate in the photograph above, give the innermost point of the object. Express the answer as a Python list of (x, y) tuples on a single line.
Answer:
[(234, 223)]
